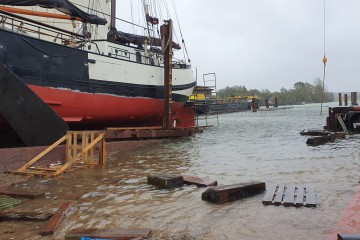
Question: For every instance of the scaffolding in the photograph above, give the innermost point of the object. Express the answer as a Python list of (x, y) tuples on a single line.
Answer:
[(204, 98)]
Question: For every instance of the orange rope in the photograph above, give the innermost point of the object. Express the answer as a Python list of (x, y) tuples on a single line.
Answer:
[(39, 14)]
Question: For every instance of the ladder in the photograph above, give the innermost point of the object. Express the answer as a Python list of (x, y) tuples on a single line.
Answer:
[(82, 147)]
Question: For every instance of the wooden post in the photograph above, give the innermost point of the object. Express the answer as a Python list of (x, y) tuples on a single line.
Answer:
[(340, 100), (102, 152), (275, 102), (353, 98), (166, 35), (267, 103), (345, 99), (254, 105)]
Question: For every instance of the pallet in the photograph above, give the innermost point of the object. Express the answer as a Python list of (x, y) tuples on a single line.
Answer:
[(290, 195)]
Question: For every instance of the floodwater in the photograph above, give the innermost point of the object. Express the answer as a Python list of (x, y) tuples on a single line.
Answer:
[(262, 146)]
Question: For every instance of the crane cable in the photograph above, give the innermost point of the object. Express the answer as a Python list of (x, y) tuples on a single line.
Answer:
[(324, 61)]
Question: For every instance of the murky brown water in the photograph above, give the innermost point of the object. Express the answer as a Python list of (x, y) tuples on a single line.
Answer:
[(246, 146)]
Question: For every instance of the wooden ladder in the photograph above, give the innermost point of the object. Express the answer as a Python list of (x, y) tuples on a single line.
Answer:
[(82, 147)]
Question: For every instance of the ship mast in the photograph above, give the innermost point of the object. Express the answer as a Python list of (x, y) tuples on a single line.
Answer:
[(113, 14)]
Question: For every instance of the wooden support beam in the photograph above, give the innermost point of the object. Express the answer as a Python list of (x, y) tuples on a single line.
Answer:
[(22, 194), (56, 219), (43, 153), (114, 234), (199, 182), (25, 216), (321, 139), (227, 193), (165, 181)]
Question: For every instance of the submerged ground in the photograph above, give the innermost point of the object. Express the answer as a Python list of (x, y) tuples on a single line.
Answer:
[(263, 146)]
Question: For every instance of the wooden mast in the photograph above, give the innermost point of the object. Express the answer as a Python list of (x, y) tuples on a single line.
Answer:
[(113, 14)]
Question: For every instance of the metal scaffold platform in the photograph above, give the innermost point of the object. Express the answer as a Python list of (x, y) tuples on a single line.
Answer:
[(203, 100)]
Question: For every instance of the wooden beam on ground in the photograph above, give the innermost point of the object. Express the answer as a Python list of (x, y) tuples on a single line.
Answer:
[(227, 193), (56, 219), (25, 216), (165, 181), (150, 133), (114, 234), (22, 194), (321, 139), (199, 182)]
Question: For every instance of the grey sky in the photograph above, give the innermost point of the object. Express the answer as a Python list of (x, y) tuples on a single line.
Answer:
[(269, 44)]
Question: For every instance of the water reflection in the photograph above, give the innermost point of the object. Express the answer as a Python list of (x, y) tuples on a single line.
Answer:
[(245, 147)]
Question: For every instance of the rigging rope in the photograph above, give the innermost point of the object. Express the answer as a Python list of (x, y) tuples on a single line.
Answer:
[(324, 61), (182, 38)]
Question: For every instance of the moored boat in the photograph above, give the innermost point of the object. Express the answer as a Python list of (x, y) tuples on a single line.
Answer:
[(92, 78)]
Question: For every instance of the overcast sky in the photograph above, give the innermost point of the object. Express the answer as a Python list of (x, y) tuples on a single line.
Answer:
[(269, 44)]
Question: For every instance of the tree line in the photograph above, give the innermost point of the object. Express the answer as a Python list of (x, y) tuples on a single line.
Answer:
[(300, 93)]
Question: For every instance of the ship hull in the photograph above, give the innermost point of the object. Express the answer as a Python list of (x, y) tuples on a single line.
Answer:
[(92, 90)]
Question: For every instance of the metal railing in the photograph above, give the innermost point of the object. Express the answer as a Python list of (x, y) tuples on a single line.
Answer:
[(29, 27)]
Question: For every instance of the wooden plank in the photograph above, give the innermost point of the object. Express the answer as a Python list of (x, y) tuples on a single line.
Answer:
[(53, 169), (43, 153), (23, 194), (289, 195), (56, 219), (299, 196), (339, 118), (101, 136), (83, 143), (279, 195), (29, 172), (102, 153), (199, 182), (74, 144), (165, 181), (269, 196), (228, 193), (114, 234), (92, 149), (68, 145), (310, 200), (25, 216)]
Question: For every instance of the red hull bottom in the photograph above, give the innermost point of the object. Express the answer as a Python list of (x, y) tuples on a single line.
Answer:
[(96, 111)]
